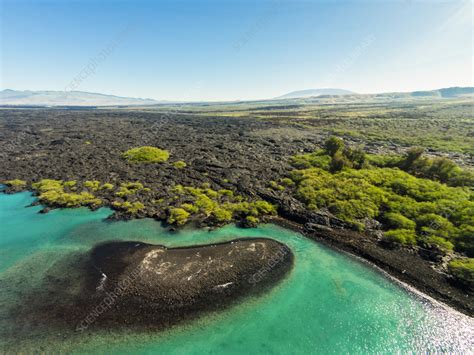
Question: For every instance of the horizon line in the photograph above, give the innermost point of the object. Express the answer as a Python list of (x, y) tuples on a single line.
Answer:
[(237, 99)]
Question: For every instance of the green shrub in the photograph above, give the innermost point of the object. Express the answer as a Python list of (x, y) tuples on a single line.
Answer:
[(433, 239), (464, 177), (190, 208), (178, 189), (15, 183), (179, 164), (339, 157), (252, 220), (465, 239), (400, 236), (178, 216), (205, 204), (47, 185), (221, 206), (384, 160), (318, 159), (287, 182), (433, 224), (136, 206), (225, 192), (264, 207), (129, 188), (442, 169), (349, 198), (93, 185), (65, 199), (211, 193), (52, 192), (335, 157), (338, 162), (146, 154), (107, 186), (412, 158), (132, 185), (222, 214), (275, 186), (130, 207), (398, 221), (438, 169), (356, 156), (463, 271), (70, 184)]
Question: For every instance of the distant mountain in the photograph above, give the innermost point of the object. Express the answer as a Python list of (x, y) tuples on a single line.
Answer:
[(446, 92), (80, 98), (314, 92), (67, 98)]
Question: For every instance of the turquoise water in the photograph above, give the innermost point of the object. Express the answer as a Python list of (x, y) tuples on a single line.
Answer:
[(330, 302)]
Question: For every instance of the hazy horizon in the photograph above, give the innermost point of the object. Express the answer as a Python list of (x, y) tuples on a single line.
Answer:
[(238, 50), (197, 101)]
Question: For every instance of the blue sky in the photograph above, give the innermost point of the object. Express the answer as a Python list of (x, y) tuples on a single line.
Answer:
[(226, 50)]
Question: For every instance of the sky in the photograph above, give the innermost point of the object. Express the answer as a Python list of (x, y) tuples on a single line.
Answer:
[(234, 50)]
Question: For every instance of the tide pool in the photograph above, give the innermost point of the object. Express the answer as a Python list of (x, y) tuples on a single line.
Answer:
[(329, 303)]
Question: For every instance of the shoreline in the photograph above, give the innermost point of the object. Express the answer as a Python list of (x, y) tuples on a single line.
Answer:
[(405, 268)]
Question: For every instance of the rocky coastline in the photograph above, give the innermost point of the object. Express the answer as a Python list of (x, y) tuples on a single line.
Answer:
[(224, 153), (404, 264)]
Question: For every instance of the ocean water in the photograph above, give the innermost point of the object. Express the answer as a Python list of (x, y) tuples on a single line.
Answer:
[(329, 303)]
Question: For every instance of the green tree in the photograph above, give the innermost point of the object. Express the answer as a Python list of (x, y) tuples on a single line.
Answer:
[(333, 145), (339, 162), (413, 155), (356, 156)]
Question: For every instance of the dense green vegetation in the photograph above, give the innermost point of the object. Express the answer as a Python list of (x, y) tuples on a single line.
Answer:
[(93, 185), (64, 194), (439, 169), (146, 154), (107, 186), (413, 210), (336, 156), (58, 193), (219, 207), (131, 207), (129, 188), (178, 216), (15, 183), (179, 204), (463, 271)]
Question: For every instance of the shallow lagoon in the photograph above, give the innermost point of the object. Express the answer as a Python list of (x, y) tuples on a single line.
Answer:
[(330, 302)]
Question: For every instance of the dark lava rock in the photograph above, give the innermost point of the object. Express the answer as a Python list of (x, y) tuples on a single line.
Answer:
[(153, 280), (45, 210), (151, 287)]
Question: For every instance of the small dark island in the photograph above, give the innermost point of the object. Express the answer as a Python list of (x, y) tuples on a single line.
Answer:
[(151, 287)]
